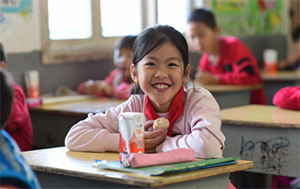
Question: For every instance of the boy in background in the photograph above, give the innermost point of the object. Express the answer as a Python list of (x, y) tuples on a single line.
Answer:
[(19, 124), (225, 60)]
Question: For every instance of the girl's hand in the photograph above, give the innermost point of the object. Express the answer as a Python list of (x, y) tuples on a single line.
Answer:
[(90, 87), (105, 88), (153, 138)]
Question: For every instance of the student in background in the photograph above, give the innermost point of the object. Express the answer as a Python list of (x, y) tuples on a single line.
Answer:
[(118, 82), (225, 60), (19, 123), (14, 171), (292, 62), (160, 68)]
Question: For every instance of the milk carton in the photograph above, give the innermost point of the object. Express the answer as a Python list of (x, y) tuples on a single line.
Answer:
[(131, 131)]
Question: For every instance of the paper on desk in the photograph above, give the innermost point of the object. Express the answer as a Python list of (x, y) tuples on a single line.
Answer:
[(166, 169)]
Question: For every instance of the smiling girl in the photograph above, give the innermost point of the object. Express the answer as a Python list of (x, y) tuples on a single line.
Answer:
[(159, 69)]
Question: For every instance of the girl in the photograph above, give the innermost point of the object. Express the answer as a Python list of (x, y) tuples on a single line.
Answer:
[(160, 68), (117, 83)]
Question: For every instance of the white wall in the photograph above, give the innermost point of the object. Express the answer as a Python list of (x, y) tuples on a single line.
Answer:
[(20, 31)]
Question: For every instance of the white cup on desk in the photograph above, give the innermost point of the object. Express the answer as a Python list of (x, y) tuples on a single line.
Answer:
[(270, 57)]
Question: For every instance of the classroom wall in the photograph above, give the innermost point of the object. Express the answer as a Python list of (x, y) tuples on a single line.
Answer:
[(21, 37), (52, 76)]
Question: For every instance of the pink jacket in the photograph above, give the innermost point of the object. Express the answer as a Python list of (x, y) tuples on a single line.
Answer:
[(199, 127)]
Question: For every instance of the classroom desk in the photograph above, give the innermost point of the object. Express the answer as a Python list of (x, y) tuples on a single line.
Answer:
[(52, 122), (60, 168), (267, 135), (275, 82), (229, 96)]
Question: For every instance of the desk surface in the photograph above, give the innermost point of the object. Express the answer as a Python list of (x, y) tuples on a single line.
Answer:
[(79, 164), (261, 115), (78, 107), (281, 76), (226, 88)]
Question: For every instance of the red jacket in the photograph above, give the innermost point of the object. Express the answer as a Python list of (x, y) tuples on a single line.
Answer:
[(288, 98), (236, 66), (19, 123)]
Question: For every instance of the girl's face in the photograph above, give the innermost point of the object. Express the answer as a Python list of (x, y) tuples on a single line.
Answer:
[(203, 37), (122, 60), (160, 75)]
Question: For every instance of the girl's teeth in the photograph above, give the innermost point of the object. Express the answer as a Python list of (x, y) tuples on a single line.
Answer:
[(161, 86)]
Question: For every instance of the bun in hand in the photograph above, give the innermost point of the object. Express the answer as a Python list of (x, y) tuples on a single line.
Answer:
[(161, 123)]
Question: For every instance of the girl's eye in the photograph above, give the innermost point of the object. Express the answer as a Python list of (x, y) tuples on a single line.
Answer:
[(150, 64), (172, 65)]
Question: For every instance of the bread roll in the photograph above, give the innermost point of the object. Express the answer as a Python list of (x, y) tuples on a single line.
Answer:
[(161, 123)]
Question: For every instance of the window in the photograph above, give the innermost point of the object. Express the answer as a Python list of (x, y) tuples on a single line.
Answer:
[(85, 30)]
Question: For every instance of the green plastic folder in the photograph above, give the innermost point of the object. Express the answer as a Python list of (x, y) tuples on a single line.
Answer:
[(168, 168)]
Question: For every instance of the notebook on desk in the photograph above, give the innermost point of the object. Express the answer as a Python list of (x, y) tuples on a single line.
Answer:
[(166, 169)]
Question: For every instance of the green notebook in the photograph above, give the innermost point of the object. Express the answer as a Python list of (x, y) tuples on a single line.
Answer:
[(166, 169)]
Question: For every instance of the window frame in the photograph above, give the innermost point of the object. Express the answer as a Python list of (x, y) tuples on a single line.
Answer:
[(94, 48)]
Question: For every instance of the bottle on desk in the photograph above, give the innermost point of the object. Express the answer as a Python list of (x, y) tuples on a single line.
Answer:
[(270, 61)]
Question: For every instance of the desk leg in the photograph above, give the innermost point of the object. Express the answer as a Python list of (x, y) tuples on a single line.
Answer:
[(49, 129)]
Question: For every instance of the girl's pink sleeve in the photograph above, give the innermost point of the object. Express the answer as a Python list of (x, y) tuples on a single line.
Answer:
[(288, 98), (80, 88), (202, 115), (98, 133)]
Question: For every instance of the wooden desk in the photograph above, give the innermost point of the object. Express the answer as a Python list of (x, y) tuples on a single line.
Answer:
[(52, 122), (267, 135), (229, 96), (275, 82), (60, 168), (81, 108)]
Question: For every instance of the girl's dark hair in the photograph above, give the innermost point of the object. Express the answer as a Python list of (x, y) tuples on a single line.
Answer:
[(203, 15), (6, 97), (2, 54), (154, 37), (126, 42)]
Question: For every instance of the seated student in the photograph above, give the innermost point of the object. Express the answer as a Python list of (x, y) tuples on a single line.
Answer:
[(118, 82), (292, 61), (160, 68), (288, 98), (19, 123), (225, 60), (14, 171)]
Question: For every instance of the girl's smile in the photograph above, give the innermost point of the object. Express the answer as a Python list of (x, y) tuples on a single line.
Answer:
[(161, 75)]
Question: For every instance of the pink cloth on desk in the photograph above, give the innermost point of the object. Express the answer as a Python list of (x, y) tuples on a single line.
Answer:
[(288, 98), (173, 156)]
